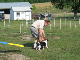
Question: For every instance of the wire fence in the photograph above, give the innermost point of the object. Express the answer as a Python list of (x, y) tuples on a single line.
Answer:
[(65, 15)]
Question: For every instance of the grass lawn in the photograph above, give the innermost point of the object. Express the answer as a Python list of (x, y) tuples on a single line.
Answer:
[(64, 44), (47, 6)]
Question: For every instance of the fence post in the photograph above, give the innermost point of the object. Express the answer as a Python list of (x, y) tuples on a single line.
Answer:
[(65, 22), (33, 20), (50, 26), (9, 21), (22, 23), (4, 22), (70, 23), (75, 22), (75, 25), (54, 22), (60, 23), (26, 23), (20, 28)]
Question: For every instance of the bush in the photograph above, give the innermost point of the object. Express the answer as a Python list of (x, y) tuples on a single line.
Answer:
[(33, 7)]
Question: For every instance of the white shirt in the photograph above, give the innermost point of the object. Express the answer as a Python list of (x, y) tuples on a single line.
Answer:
[(38, 24)]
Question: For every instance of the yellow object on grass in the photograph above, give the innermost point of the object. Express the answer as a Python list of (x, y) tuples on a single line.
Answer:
[(16, 44)]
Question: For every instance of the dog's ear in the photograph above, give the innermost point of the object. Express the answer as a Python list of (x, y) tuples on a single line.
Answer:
[(45, 38)]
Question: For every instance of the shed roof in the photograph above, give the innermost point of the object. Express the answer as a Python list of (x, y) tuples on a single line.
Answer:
[(21, 8), (14, 4)]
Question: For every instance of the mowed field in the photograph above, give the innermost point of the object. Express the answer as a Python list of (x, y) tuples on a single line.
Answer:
[(42, 5), (47, 7), (64, 43)]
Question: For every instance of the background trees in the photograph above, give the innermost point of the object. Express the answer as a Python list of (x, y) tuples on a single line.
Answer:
[(74, 4), (31, 1)]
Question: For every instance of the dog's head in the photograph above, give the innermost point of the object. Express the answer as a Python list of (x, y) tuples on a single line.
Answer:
[(45, 38), (38, 43)]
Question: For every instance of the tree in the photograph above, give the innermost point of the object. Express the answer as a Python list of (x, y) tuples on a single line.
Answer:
[(2, 0), (75, 5)]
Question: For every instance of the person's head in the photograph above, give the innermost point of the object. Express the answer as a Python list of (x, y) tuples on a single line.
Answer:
[(46, 22)]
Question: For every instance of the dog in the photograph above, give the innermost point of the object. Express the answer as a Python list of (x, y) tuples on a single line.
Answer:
[(46, 42), (40, 45)]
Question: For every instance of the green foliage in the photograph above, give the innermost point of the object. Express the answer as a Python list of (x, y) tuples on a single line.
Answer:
[(79, 9), (30, 1), (33, 7), (67, 3)]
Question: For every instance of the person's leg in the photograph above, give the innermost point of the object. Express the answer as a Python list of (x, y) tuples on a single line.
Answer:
[(35, 33), (36, 40)]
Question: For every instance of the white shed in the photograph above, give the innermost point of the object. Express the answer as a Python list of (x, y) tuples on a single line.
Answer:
[(16, 10), (20, 13)]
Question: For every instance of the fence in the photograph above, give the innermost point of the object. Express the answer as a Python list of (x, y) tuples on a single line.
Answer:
[(65, 23), (65, 15)]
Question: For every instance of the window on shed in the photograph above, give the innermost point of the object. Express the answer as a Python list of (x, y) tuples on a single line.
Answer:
[(18, 14)]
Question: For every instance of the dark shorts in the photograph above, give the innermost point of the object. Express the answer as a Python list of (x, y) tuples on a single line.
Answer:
[(34, 31)]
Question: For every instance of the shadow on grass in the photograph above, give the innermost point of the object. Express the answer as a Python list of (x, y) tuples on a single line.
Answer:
[(28, 45), (10, 51)]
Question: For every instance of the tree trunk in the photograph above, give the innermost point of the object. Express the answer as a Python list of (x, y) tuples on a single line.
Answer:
[(75, 14), (75, 11)]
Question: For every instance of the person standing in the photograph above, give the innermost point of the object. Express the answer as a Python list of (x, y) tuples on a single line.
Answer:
[(37, 30)]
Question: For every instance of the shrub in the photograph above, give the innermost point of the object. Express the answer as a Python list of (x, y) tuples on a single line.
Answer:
[(33, 7)]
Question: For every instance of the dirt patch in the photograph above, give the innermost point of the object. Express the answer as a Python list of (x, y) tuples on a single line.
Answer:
[(26, 37), (54, 37), (11, 56), (17, 57), (14, 33), (23, 37)]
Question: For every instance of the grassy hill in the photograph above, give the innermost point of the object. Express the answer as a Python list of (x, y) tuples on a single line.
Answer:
[(47, 6)]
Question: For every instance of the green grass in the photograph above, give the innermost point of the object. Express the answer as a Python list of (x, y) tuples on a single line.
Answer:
[(56, 12), (64, 44)]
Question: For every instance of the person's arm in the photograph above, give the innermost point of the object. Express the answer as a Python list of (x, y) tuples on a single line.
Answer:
[(43, 33)]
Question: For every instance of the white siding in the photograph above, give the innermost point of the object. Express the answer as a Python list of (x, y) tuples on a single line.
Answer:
[(22, 15), (30, 15), (26, 15), (15, 16)]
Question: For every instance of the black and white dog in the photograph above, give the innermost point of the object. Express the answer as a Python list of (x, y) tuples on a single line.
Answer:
[(42, 45)]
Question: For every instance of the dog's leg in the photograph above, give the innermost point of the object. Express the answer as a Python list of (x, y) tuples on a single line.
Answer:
[(36, 48), (43, 47), (39, 49), (46, 44), (47, 47)]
